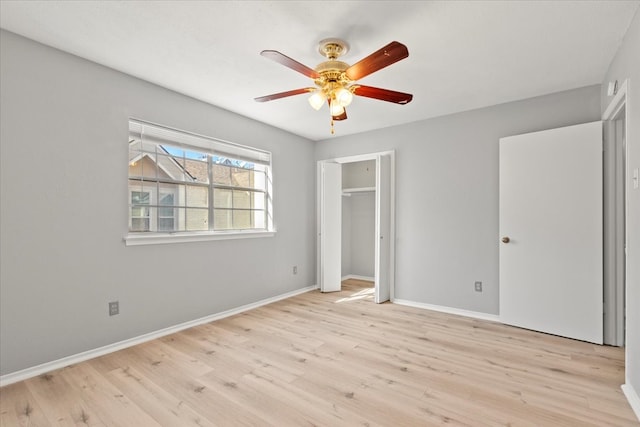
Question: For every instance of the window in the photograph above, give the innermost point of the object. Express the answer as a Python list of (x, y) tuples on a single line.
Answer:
[(140, 211), (181, 183)]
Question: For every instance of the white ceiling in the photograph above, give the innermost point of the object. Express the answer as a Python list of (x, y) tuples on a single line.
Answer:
[(462, 54)]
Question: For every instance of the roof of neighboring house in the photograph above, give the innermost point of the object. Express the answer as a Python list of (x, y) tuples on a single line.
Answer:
[(188, 169)]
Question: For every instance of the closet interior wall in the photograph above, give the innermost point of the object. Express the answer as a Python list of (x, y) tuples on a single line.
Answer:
[(358, 219)]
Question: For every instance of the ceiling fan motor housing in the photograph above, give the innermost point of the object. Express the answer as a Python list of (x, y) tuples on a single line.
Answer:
[(332, 72)]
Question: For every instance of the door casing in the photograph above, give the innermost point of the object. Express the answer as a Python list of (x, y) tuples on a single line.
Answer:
[(616, 176), (391, 213)]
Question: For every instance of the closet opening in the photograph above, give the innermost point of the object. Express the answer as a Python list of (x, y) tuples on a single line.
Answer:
[(359, 228), (356, 225)]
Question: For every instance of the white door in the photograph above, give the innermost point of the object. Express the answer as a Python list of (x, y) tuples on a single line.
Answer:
[(330, 227), (551, 231), (383, 228)]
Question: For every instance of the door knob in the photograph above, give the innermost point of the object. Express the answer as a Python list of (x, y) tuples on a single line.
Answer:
[(505, 239)]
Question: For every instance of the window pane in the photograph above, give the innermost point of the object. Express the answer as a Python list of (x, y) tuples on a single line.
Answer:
[(139, 224), (166, 212), (137, 190), (259, 218), (258, 200), (197, 219), (141, 163), (222, 198), (142, 218), (166, 224), (197, 196), (241, 177), (140, 198), (259, 180), (135, 145), (188, 154), (172, 151), (241, 199), (198, 170), (166, 199), (221, 175), (149, 166), (171, 168), (139, 211), (135, 166), (222, 219), (242, 220)]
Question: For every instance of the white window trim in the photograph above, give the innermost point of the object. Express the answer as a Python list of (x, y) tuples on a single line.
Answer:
[(192, 236), (195, 141)]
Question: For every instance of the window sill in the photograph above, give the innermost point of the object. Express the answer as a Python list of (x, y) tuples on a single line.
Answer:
[(136, 239)]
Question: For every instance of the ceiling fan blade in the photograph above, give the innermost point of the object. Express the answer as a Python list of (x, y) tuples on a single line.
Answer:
[(284, 94), (390, 54), (280, 58), (383, 94), (342, 116)]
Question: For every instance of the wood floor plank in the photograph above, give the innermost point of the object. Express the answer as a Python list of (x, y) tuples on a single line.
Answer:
[(335, 359), (105, 402), (158, 402), (18, 407), (59, 402)]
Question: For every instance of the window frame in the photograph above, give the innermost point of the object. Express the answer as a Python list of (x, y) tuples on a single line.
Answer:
[(146, 132)]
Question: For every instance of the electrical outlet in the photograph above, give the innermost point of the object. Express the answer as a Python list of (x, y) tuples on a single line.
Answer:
[(478, 286), (295, 269), (114, 308)]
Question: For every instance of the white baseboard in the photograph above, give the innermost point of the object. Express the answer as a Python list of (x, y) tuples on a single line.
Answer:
[(632, 397), (110, 348), (356, 277), (449, 310)]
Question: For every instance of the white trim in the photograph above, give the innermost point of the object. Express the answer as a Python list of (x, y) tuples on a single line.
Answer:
[(357, 277), (632, 397), (618, 101), (110, 348), (162, 238), (449, 310), (392, 197), (360, 157), (613, 307)]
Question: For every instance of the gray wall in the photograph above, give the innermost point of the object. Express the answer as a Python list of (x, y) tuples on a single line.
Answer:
[(346, 237), (447, 192), (362, 234), (64, 212), (626, 65)]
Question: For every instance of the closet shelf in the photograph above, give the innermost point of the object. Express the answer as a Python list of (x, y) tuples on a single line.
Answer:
[(349, 191)]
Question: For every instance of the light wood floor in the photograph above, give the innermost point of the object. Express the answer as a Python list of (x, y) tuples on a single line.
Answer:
[(334, 360)]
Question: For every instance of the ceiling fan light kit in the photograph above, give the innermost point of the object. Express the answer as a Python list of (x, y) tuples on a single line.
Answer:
[(335, 80)]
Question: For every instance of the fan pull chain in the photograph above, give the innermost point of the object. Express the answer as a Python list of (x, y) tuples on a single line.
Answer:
[(332, 130)]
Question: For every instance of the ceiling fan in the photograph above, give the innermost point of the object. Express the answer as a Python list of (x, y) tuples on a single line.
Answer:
[(335, 80)]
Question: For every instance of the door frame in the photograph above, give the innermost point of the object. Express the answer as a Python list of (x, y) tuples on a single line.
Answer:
[(616, 179), (392, 210)]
